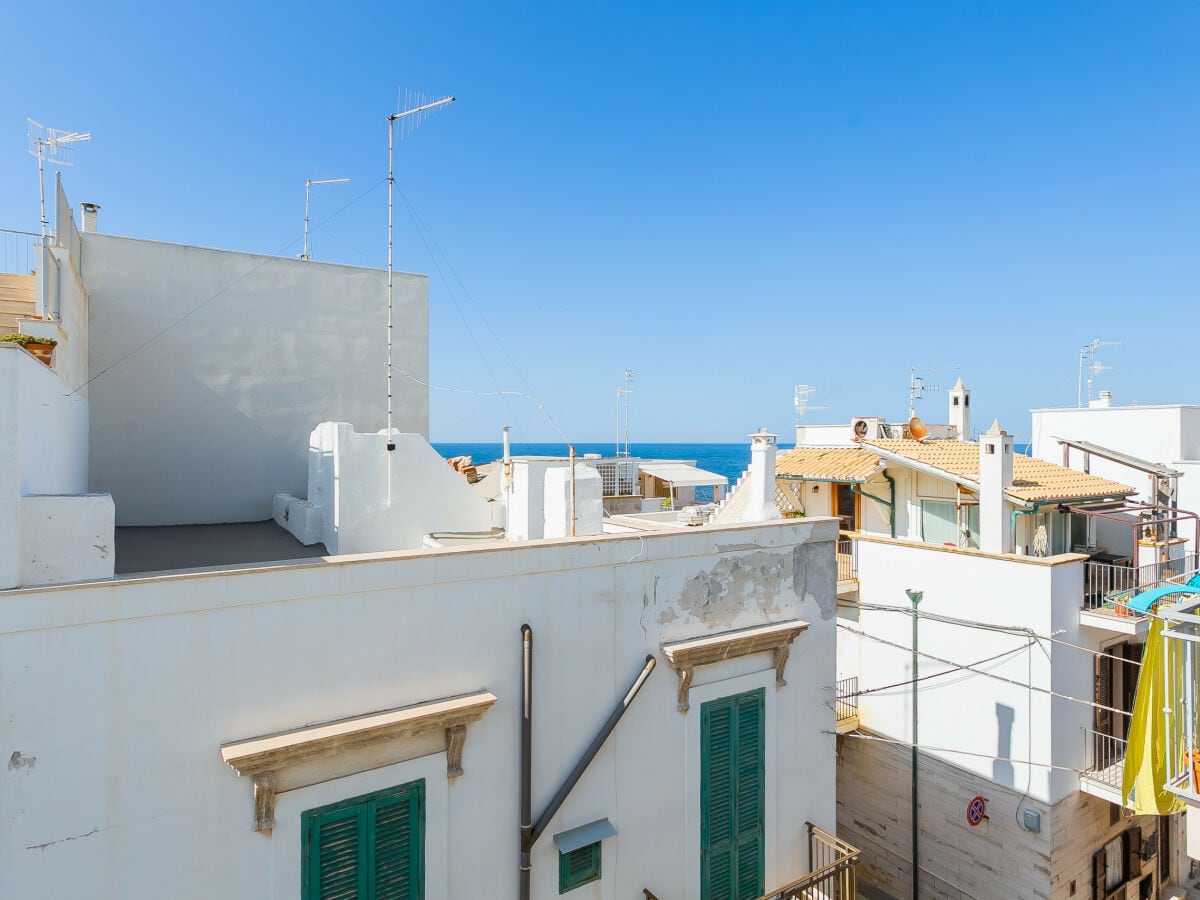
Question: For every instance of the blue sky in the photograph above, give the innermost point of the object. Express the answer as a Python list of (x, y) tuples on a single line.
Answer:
[(726, 198)]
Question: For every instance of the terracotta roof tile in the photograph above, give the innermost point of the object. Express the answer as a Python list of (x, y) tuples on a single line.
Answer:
[(849, 464), (1033, 479)]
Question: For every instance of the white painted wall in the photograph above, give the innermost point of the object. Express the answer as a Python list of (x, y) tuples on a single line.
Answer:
[(972, 713), (1160, 434), (118, 696), (43, 451), (589, 501), (210, 419), (348, 503), (66, 537)]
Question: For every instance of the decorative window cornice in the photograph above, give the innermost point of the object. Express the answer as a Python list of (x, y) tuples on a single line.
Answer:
[(292, 759), (685, 656)]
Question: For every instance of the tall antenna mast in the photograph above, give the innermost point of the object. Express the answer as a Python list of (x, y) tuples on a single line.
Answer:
[(803, 394), (624, 392), (413, 116), (1093, 367), (307, 190), (917, 386), (51, 144)]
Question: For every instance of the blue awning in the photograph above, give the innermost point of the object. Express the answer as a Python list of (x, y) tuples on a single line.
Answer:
[(1146, 599)]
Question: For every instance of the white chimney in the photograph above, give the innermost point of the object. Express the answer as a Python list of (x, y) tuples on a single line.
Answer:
[(960, 410), (762, 506), (995, 475), (1103, 402), (89, 216)]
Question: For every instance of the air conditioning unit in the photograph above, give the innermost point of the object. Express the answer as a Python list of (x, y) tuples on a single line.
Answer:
[(865, 428)]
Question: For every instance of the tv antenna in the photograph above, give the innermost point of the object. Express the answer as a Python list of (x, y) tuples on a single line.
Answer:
[(1091, 366), (411, 117), (804, 393), (308, 190), (917, 386), (624, 392), (52, 144)]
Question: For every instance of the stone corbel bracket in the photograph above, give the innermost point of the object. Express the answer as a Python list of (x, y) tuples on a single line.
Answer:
[(685, 656), (317, 753)]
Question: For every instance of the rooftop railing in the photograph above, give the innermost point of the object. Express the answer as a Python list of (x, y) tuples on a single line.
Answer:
[(18, 252)]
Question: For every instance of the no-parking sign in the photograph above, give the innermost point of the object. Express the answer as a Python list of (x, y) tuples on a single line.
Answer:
[(976, 811)]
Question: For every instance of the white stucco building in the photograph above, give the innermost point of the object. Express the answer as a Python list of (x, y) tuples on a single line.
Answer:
[(249, 651), (1026, 656)]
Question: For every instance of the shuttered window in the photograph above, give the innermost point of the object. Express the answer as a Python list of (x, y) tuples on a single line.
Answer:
[(367, 848), (732, 797), (578, 867)]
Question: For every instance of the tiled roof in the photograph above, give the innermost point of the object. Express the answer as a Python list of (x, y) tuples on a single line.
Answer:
[(1033, 479), (849, 464)]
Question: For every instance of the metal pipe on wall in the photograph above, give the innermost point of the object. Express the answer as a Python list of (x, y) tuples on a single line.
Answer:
[(526, 758), (592, 750)]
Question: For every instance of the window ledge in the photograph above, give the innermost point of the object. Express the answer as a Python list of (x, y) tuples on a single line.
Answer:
[(316, 753), (685, 656)]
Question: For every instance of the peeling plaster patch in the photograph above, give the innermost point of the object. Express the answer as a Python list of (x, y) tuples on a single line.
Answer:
[(73, 837), (813, 564), (667, 616), (732, 586), (17, 761)]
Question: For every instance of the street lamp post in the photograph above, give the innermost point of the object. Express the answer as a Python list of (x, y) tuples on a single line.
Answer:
[(915, 597)]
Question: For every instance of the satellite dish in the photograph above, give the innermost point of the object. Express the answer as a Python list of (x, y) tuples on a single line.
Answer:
[(916, 428)]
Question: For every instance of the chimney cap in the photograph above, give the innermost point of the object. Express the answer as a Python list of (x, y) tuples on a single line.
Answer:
[(958, 385), (90, 207), (995, 430)]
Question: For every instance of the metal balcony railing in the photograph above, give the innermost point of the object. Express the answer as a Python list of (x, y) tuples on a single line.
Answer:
[(1107, 758), (847, 559), (845, 699), (1109, 587), (832, 870), (18, 252)]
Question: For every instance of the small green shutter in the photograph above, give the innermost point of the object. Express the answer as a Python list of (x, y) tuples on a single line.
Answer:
[(367, 848), (578, 867), (732, 797)]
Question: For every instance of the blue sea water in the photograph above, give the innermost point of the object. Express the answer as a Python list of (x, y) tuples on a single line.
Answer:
[(729, 460)]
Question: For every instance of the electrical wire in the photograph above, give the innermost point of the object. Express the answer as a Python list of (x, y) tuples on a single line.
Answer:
[(1013, 629), (948, 662), (466, 291), (418, 225), (955, 668), (860, 735)]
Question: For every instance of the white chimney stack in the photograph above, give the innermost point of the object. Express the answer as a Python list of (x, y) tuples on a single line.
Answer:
[(89, 216), (1103, 402), (995, 476), (762, 506), (960, 410)]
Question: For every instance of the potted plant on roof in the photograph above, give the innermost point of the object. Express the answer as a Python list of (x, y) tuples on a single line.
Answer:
[(41, 347)]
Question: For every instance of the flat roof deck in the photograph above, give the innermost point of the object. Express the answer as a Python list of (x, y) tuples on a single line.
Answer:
[(162, 548)]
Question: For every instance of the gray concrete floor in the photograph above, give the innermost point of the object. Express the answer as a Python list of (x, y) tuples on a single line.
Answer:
[(166, 547)]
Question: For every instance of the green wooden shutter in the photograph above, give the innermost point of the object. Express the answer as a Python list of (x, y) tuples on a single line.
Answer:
[(751, 798), (732, 797), (366, 848), (333, 845), (398, 845)]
